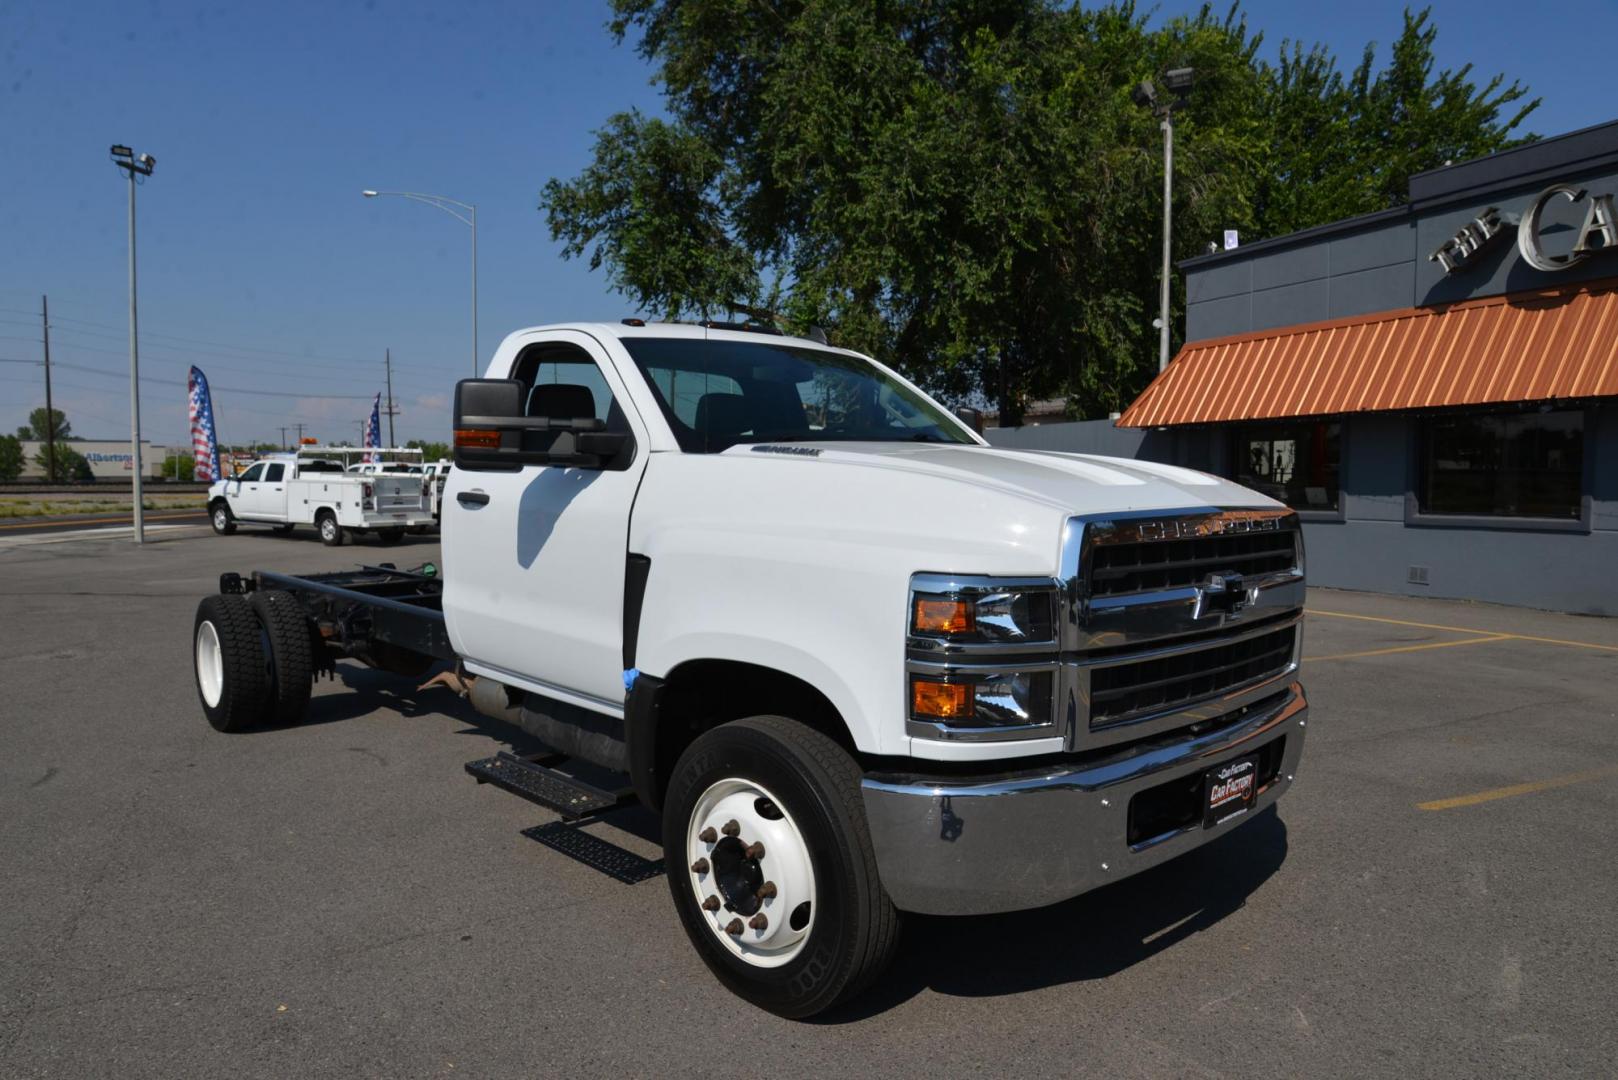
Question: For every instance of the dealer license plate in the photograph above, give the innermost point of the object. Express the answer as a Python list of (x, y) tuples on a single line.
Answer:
[(1228, 790)]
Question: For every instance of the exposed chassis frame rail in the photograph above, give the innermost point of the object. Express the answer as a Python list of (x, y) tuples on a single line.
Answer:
[(355, 610)]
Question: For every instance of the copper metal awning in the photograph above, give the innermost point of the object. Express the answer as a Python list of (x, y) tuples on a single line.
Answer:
[(1542, 345)]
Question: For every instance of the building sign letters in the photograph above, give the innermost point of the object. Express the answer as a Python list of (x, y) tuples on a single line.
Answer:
[(1598, 234)]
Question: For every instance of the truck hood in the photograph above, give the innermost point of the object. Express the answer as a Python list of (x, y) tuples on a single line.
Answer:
[(1074, 483)]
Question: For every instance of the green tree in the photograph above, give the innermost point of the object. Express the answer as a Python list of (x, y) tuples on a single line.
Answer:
[(967, 190), (36, 428), (1346, 146), (182, 467), (70, 466), (430, 451), (11, 458)]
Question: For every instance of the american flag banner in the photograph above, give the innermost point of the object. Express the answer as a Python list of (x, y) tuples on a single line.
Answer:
[(204, 442), (373, 427)]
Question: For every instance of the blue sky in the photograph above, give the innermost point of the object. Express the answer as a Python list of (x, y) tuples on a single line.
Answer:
[(260, 261)]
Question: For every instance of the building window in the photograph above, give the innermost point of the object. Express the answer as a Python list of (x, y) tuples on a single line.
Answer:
[(1523, 465), (1296, 462)]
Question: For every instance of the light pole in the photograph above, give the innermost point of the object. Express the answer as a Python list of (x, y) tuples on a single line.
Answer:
[(1178, 81), (135, 165), (470, 218)]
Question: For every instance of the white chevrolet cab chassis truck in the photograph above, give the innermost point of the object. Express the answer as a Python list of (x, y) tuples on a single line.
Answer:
[(337, 489), (860, 661)]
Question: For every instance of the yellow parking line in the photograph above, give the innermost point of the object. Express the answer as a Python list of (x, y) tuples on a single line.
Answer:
[(1466, 630), (1407, 648), (1519, 789)]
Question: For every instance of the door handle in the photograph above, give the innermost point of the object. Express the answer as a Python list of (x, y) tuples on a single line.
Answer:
[(471, 498)]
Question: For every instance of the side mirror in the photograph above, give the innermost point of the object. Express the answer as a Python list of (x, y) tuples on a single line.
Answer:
[(972, 418), (493, 434)]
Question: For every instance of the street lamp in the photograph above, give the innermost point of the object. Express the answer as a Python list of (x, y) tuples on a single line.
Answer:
[(470, 218), (135, 165), (1178, 82)]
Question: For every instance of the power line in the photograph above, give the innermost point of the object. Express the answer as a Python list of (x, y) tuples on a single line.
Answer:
[(231, 347)]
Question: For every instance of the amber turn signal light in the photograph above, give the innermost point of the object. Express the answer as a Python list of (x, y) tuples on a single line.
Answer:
[(940, 701), (477, 438), (935, 616)]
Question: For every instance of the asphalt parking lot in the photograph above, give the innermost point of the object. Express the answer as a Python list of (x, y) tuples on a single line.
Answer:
[(1435, 896)]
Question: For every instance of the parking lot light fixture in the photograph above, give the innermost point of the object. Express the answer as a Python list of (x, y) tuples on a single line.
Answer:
[(469, 218), (142, 165)]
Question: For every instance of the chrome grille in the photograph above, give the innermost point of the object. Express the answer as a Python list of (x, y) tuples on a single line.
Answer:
[(1139, 566), (1133, 688)]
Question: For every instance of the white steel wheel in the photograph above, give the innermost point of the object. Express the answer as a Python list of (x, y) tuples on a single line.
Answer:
[(750, 869), (210, 664), (228, 655)]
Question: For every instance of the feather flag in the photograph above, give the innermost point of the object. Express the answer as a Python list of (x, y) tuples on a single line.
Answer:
[(204, 441), (373, 427)]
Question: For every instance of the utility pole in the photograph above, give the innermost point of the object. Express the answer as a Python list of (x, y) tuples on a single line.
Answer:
[(387, 359), (283, 437), (50, 411), (126, 159), (300, 433)]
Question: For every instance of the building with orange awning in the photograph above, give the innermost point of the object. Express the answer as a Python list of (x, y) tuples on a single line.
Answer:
[(1434, 388)]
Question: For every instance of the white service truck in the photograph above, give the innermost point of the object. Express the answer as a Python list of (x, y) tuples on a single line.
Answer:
[(862, 662), (324, 486)]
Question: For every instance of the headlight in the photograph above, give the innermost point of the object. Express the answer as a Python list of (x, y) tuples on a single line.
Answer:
[(982, 657), (984, 617), (1009, 699)]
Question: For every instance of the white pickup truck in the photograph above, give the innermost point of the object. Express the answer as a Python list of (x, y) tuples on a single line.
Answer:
[(861, 662), (324, 487)]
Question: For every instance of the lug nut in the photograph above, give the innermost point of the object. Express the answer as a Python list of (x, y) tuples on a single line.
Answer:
[(734, 929), (767, 891), (700, 866), (711, 904), (731, 827), (759, 921), (708, 836), (755, 851)]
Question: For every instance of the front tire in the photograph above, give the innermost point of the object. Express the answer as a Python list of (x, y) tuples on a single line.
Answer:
[(228, 660), (773, 787), (222, 520)]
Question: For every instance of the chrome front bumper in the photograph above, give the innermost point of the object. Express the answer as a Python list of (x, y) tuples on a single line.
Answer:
[(953, 845)]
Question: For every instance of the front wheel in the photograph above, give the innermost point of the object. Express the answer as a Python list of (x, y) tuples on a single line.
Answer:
[(220, 517), (771, 866)]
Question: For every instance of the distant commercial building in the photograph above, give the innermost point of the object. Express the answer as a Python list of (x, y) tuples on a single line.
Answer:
[(1434, 388), (109, 459)]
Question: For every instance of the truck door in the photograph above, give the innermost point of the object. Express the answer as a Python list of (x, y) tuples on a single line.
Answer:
[(534, 559), (272, 492), (242, 492)]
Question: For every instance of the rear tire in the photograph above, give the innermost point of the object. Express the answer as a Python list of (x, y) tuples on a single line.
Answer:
[(291, 660), (331, 533), (390, 536), (220, 517), (813, 815), (227, 656)]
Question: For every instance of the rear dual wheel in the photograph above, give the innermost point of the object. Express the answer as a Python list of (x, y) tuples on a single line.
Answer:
[(253, 660), (771, 866)]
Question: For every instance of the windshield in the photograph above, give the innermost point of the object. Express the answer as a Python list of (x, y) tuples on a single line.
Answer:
[(716, 394)]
